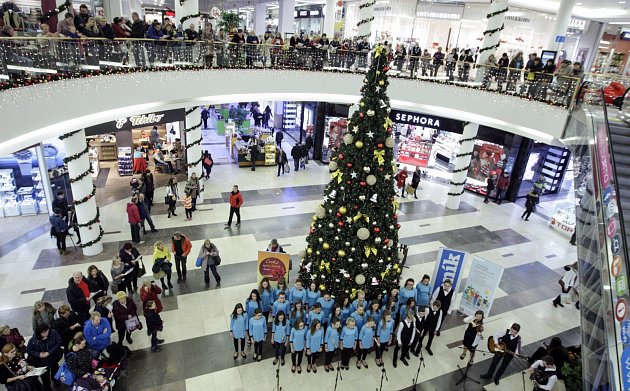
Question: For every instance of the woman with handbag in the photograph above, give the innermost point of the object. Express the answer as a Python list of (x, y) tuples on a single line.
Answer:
[(567, 282), (124, 310), (162, 264), (13, 370), (172, 194), (131, 257), (208, 259)]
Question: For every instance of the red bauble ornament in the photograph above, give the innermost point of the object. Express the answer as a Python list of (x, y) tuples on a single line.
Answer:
[(341, 156), (395, 216), (356, 207), (385, 68), (333, 259), (312, 230), (377, 230), (361, 115), (341, 224), (349, 182), (386, 240), (362, 183), (349, 165), (398, 226), (338, 214), (379, 145), (90, 227), (380, 169)]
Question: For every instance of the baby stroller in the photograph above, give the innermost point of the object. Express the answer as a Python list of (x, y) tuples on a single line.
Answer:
[(111, 364)]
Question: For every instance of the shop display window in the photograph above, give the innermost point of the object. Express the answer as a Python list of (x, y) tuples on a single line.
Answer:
[(563, 218), (488, 159)]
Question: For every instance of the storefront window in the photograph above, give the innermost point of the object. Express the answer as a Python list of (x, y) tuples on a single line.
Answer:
[(21, 188)]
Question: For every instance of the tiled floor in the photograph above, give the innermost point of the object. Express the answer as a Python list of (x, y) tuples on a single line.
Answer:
[(197, 353)]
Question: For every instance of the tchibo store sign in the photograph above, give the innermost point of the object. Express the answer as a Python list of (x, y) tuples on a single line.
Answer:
[(427, 121), (137, 121)]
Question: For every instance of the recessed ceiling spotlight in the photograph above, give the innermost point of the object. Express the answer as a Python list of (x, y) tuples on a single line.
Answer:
[(622, 2)]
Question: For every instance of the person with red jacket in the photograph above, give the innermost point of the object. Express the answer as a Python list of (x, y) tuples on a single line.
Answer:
[(401, 178), (149, 291), (502, 184), (181, 246), (133, 215), (236, 201)]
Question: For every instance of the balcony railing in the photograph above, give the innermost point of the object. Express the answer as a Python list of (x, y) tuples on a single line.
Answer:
[(41, 57)]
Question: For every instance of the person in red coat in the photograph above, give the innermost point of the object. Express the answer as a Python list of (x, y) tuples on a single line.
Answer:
[(149, 291), (133, 215), (401, 178), (236, 201), (124, 308), (502, 184)]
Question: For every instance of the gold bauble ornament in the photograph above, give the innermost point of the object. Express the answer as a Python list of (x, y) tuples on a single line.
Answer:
[(381, 83), (309, 251), (343, 210), (314, 218), (326, 246), (358, 144), (362, 104), (322, 287), (317, 252), (341, 253)]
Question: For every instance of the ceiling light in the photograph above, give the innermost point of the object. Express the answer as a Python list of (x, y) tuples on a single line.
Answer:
[(619, 23), (622, 2), (578, 3), (604, 42)]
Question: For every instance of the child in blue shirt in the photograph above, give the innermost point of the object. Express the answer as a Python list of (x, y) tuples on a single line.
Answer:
[(349, 336), (411, 303), (312, 295), (423, 291), (385, 332), (238, 328), (374, 311), (266, 297), (282, 287), (406, 292), (335, 313), (279, 336), (366, 341), (359, 317), (298, 343), (327, 303), (297, 293), (315, 314), (297, 313), (346, 309), (360, 301), (331, 340), (280, 305), (314, 344), (258, 332), (251, 304)]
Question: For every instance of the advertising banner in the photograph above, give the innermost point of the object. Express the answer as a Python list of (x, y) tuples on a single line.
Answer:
[(449, 266), (481, 286), (274, 266)]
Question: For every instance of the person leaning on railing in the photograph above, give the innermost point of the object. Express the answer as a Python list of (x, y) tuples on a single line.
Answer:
[(503, 64), (489, 69), (515, 73), (563, 75), (207, 35), (277, 43), (11, 50)]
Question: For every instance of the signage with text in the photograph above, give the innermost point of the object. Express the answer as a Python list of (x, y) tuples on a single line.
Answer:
[(449, 266), (429, 121), (137, 121)]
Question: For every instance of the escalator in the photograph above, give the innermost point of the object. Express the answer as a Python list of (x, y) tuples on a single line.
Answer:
[(620, 146)]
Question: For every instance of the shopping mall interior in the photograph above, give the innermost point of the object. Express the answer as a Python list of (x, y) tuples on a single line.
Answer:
[(486, 144)]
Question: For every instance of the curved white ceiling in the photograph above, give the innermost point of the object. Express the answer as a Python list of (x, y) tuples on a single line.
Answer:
[(36, 113)]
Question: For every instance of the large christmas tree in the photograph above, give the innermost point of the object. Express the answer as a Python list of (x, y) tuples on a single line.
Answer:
[(353, 239)]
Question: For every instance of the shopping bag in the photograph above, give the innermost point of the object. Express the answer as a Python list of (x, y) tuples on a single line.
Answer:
[(199, 262), (565, 298), (410, 189), (132, 324), (64, 375), (142, 270)]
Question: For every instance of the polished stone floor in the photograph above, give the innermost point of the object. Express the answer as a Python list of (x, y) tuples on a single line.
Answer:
[(197, 352)]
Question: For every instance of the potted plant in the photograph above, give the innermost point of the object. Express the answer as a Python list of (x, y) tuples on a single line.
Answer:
[(238, 115), (573, 375), (229, 21)]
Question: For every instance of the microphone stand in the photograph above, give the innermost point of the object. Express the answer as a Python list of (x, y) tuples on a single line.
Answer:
[(278, 388), (523, 375), (339, 376), (465, 374), (420, 365), (383, 375)]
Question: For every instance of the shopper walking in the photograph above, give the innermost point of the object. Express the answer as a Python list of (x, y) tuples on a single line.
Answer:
[(124, 309), (236, 201), (210, 259), (181, 246), (133, 216), (59, 229), (193, 188), (188, 205), (207, 163), (567, 282), (145, 214), (279, 138), (204, 117), (172, 194), (281, 160), (489, 188), (296, 154), (530, 204), (415, 181), (502, 184), (162, 264)]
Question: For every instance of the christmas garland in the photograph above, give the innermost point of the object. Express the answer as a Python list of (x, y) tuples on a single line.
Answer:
[(490, 15), (492, 31), (65, 136), (364, 21), (490, 47), (82, 175), (365, 5), (456, 194), (193, 127), (86, 198), (196, 142), (464, 154), (95, 220), (181, 2), (185, 18), (93, 242), (77, 155), (195, 163), (55, 12), (467, 139), (191, 110)]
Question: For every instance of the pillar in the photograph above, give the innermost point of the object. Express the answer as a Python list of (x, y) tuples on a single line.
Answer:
[(182, 9), (285, 18), (49, 5), (366, 14), (492, 34), (75, 145), (329, 18), (467, 143), (193, 140), (45, 180), (260, 14), (563, 17), (115, 8)]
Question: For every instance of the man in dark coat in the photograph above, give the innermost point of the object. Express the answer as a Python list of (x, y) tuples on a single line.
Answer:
[(296, 153), (78, 295), (279, 137), (309, 145)]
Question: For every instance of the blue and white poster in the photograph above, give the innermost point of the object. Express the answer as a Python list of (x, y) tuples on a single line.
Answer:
[(449, 266), (625, 369), (481, 286)]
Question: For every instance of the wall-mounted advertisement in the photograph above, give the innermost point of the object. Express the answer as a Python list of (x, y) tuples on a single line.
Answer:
[(488, 159)]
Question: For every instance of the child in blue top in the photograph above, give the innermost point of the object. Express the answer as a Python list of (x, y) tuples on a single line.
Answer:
[(280, 305), (385, 332), (251, 304), (312, 295), (391, 301), (406, 292), (266, 297), (282, 287), (335, 313), (331, 340), (327, 303), (360, 301), (411, 303), (297, 312), (315, 314), (298, 343), (423, 291), (238, 328), (359, 317), (374, 311), (349, 336), (297, 293), (258, 331), (279, 336), (366, 341), (346, 309), (314, 344)]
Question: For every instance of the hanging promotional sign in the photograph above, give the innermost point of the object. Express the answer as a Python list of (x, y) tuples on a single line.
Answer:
[(428, 121), (137, 121), (482, 283), (449, 266), (274, 266)]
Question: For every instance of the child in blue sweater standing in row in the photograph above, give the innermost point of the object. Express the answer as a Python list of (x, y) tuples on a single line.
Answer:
[(349, 336), (258, 332), (385, 332), (238, 329), (298, 343), (279, 335), (314, 343), (266, 297), (331, 340), (281, 305), (366, 341)]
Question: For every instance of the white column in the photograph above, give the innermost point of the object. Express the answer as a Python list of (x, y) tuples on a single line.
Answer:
[(193, 153), (491, 39), (563, 17), (189, 7), (329, 18), (366, 12), (260, 13), (459, 176), (86, 211), (285, 18), (114, 8), (45, 180)]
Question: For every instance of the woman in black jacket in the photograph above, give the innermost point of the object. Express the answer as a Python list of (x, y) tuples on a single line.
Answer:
[(97, 282), (415, 181), (104, 307), (131, 257), (67, 324), (44, 350), (530, 204)]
